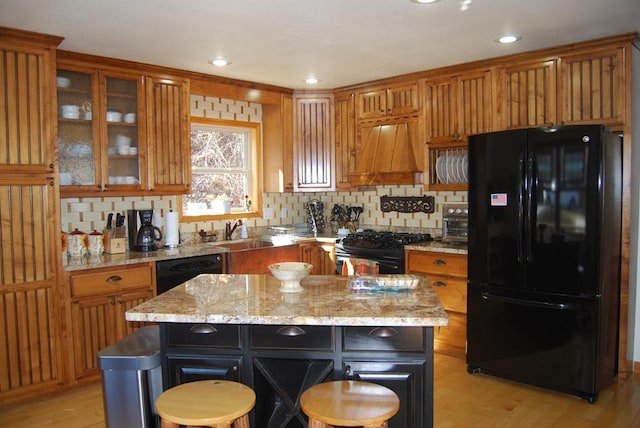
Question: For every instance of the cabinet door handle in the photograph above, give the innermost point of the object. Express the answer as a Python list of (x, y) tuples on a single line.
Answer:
[(439, 262), (291, 331), (383, 332), (203, 329), (439, 284), (113, 278)]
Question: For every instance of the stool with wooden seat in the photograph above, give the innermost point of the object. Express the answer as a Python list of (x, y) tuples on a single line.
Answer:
[(349, 403), (212, 403)]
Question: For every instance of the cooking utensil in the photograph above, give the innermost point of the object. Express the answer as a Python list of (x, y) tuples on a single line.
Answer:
[(109, 220)]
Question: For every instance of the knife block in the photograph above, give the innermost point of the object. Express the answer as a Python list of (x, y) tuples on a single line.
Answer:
[(114, 245)]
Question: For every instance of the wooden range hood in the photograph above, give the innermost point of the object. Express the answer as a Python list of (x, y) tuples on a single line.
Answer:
[(389, 153)]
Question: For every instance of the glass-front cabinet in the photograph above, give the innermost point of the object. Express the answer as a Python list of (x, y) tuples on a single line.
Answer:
[(100, 135)]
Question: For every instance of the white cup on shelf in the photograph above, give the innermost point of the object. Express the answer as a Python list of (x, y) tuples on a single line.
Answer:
[(130, 118)]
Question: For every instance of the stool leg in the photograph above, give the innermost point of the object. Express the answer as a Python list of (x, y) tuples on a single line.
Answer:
[(167, 424), (313, 423), (241, 422)]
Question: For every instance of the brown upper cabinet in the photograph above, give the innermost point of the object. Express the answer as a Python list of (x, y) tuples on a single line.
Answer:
[(313, 145), (101, 144), (458, 106), (390, 101), (122, 130), (592, 87), (528, 94), (455, 107), (168, 135), (277, 156), (345, 139)]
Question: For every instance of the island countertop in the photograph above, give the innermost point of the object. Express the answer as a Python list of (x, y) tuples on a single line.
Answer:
[(256, 299)]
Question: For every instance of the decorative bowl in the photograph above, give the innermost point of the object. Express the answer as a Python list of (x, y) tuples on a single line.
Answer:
[(290, 274)]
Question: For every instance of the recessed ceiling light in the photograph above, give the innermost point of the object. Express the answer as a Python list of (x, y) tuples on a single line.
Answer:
[(510, 38), (220, 62), (424, 1), (311, 80)]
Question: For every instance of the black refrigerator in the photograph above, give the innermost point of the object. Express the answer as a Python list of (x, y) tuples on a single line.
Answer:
[(544, 257)]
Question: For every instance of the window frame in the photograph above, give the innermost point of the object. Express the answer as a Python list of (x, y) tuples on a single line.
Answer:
[(255, 168)]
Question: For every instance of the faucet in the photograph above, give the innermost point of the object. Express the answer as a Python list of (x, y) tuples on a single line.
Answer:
[(229, 229)]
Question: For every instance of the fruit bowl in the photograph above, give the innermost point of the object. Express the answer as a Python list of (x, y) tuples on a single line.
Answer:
[(290, 274)]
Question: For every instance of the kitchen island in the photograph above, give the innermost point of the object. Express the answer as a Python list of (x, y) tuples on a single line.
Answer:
[(240, 327)]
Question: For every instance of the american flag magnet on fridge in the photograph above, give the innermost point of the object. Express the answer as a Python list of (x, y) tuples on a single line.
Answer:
[(498, 199)]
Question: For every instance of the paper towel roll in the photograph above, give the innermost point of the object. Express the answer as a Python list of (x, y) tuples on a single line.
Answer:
[(171, 233)]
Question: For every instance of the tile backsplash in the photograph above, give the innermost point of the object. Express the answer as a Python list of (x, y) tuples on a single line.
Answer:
[(88, 214)]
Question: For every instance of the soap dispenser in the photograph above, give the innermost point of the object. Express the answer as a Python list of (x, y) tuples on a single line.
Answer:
[(243, 229)]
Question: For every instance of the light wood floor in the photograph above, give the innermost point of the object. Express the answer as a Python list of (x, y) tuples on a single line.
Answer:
[(461, 400)]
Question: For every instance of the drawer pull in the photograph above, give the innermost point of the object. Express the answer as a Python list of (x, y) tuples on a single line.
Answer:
[(383, 332), (114, 278), (439, 284), (291, 331), (203, 329), (439, 262)]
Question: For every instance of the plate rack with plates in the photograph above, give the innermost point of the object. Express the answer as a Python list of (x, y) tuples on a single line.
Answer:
[(450, 166)]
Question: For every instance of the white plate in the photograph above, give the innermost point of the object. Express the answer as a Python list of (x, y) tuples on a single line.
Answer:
[(465, 168), (451, 169), (441, 169)]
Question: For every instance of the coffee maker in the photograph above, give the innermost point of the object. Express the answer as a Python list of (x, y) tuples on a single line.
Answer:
[(146, 237)]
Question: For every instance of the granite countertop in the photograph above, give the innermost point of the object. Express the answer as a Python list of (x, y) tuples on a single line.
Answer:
[(182, 251), (439, 246), (133, 257), (256, 299)]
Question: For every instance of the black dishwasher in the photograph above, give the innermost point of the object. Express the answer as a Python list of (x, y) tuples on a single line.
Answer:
[(170, 273)]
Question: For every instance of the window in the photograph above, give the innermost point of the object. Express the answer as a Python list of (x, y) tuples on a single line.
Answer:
[(225, 170)]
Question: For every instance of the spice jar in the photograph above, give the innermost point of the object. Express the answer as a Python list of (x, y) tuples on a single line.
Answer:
[(96, 243), (77, 243)]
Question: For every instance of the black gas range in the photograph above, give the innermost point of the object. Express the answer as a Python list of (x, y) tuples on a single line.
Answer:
[(386, 248)]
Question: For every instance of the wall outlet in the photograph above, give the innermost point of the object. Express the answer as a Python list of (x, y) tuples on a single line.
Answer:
[(283, 212), (267, 213)]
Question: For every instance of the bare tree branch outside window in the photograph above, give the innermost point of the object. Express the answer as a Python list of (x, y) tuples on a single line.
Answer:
[(220, 159)]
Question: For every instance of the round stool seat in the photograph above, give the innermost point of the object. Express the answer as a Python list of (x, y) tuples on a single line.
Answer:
[(206, 402), (349, 403)]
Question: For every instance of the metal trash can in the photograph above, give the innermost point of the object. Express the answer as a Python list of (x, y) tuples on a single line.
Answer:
[(132, 379)]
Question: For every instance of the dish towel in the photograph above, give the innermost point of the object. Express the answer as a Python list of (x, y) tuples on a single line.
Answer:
[(353, 266)]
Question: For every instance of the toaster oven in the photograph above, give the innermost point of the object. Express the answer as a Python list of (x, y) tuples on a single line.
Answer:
[(455, 223)]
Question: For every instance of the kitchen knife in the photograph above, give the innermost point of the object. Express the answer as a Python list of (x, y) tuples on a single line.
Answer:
[(109, 220)]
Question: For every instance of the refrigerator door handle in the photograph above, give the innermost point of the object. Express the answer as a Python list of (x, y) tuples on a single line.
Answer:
[(529, 211), (520, 249), (525, 302)]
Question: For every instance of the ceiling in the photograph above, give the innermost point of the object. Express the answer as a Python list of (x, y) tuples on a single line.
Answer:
[(341, 42)]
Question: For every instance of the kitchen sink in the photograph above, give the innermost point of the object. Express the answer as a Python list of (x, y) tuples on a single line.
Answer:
[(246, 245)]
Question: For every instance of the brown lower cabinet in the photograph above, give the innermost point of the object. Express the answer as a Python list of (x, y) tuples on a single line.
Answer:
[(322, 255), (257, 260), (447, 273), (99, 300)]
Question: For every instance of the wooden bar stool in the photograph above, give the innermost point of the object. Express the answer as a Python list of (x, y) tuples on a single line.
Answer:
[(349, 403), (213, 403)]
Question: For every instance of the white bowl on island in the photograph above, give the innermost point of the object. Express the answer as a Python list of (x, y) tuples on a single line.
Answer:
[(290, 274)]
